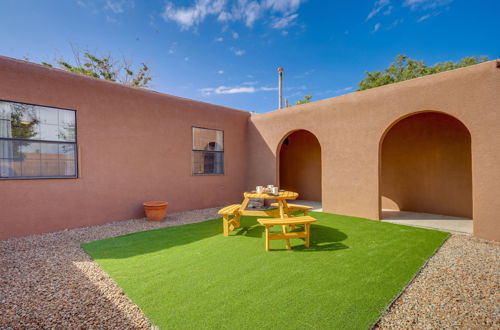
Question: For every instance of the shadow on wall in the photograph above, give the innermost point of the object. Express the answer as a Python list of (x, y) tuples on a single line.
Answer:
[(425, 166), (389, 204), (300, 164)]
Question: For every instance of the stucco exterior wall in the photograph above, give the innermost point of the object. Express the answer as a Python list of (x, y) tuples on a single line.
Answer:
[(134, 145), (350, 128), (300, 165), (425, 166)]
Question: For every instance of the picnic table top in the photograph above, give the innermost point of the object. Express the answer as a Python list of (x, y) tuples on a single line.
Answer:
[(283, 195)]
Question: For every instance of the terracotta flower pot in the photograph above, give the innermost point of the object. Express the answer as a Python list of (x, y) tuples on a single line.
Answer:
[(155, 211)]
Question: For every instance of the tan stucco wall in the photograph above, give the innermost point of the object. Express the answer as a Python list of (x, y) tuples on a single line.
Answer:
[(426, 166), (300, 165), (134, 145), (350, 127)]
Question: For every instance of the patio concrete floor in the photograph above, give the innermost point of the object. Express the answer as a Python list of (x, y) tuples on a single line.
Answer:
[(315, 205), (426, 220)]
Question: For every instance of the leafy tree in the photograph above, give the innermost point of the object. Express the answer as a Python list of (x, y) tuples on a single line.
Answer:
[(405, 68), (305, 100), (105, 67)]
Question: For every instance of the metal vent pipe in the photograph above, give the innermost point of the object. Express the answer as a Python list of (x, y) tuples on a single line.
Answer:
[(280, 88)]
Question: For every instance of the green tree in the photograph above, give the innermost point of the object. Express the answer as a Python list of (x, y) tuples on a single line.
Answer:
[(405, 68), (105, 67), (305, 100)]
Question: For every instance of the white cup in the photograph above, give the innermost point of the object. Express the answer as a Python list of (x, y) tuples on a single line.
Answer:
[(276, 190), (259, 189), (270, 186)]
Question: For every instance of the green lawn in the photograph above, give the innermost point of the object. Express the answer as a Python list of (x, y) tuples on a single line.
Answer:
[(192, 277)]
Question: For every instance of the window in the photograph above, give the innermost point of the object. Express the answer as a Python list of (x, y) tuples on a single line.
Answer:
[(37, 142), (208, 151)]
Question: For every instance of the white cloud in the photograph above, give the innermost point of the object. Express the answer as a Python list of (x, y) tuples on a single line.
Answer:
[(377, 7), (247, 11), (238, 52), (118, 6), (220, 72), (186, 17), (388, 11), (173, 47), (110, 19), (82, 3), (425, 17), (269, 89), (334, 92), (343, 90), (395, 23), (235, 35), (283, 6), (219, 39), (225, 90), (283, 22), (425, 4), (376, 27)]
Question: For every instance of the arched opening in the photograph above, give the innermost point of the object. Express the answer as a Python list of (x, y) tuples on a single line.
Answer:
[(300, 165), (425, 166)]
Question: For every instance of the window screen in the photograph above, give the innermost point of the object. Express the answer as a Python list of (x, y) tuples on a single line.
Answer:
[(208, 151)]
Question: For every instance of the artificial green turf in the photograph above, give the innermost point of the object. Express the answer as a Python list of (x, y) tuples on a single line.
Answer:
[(192, 277)]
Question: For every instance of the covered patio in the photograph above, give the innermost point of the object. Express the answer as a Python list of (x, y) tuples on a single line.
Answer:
[(428, 220)]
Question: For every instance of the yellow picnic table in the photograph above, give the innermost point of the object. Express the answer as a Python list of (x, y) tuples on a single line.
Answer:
[(281, 212), (231, 214)]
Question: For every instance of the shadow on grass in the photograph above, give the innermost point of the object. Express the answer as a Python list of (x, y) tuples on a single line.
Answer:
[(323, 238), (151, 241)]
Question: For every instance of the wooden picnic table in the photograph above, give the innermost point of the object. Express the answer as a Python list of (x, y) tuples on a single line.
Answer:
[(281, 212)]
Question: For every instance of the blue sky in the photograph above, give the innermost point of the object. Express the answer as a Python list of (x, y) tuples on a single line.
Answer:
[(227, 51)]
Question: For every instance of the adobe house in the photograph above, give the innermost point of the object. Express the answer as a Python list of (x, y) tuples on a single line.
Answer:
[(77, 151)]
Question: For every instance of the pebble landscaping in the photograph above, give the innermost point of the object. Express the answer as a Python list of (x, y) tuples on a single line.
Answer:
[(48, 281)]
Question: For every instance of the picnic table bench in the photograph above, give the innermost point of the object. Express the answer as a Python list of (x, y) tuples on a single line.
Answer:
[(304, 220), (230, 218)]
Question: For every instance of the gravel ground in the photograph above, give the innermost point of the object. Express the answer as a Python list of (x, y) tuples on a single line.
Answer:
[(457, 289), (47, 281)]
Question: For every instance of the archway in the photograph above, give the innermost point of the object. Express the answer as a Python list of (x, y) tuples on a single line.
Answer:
[(300, 165), (425, 166)]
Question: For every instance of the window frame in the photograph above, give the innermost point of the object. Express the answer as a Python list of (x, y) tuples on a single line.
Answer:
[(193, 150), (75, 143)]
